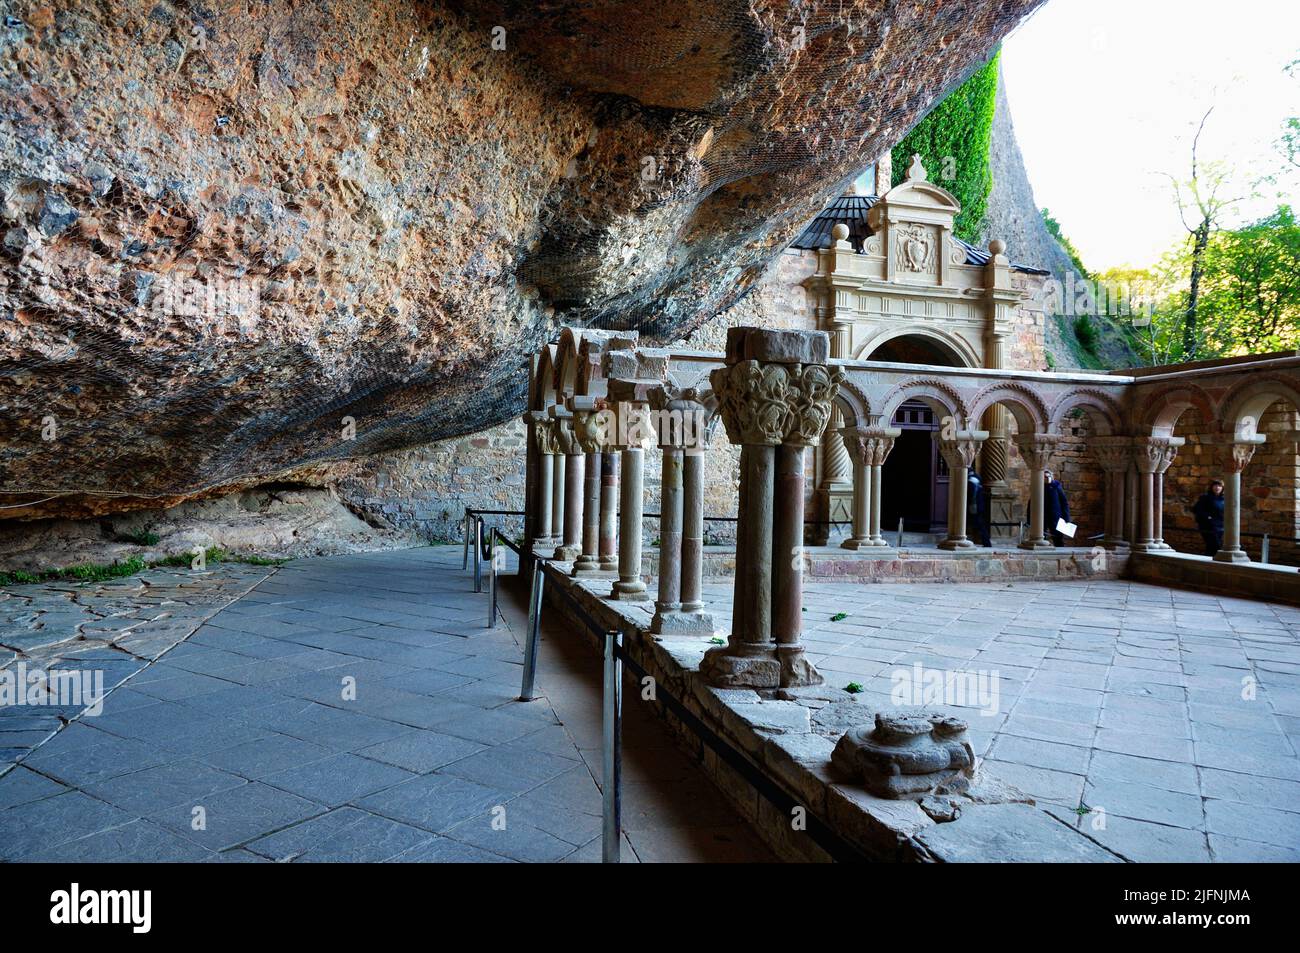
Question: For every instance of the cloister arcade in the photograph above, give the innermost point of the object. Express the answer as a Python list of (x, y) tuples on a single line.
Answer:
[(599, 402)]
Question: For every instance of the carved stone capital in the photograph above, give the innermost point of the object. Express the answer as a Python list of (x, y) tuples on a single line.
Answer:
[(1238, 454), (907, 754), (869, 446), (544, 433), (772, 404), (1113, 454), (683, 415), (1037, 449), (1154, 454), (962, 448)]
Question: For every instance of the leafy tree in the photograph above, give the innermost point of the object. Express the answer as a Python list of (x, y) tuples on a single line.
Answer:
[(1201, 206), (953, 143), (1252, 286)]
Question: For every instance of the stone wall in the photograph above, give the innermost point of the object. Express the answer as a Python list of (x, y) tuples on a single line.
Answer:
[(1270, 494)]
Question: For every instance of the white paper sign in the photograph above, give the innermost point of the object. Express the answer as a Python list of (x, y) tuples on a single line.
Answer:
[(1066, 529)]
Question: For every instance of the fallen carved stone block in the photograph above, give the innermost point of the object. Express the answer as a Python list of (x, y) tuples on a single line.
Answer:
[(906, 755)]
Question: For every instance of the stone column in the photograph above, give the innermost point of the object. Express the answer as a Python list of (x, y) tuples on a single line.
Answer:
[(693, 539), (558, 461), (1114, 455), (1152, 455), (631, 399), (775, 396), (868, 447), (544, 489), (1036, 449), (574, 470), (609, 494), (588, 431), (959, 452), (1131, 504), (1235, 460), (682, 434), (860, 536)]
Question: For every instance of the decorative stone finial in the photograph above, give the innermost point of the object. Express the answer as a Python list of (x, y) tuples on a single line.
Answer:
[(907, 754), (916, 171), (998, 246), (840, 232)]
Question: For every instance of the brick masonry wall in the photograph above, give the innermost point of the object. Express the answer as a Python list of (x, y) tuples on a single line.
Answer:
[(1270, 495)]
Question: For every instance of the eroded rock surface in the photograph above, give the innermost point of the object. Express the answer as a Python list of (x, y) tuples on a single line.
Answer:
[(243, 241)]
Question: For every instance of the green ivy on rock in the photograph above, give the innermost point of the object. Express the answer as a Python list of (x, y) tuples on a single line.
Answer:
[(953, 143)]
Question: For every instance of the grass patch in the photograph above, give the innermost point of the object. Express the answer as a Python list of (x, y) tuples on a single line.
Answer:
[(100, 572), (143, 537)]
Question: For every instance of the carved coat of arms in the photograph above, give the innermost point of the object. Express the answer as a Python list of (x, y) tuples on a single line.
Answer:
[(916, 248)]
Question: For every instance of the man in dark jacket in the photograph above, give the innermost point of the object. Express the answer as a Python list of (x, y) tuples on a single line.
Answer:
[(1055, 507), (1208, 511)]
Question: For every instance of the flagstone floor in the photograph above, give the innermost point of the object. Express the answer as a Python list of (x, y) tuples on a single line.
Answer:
[(1164, 723), (352, 708), (359, 708)]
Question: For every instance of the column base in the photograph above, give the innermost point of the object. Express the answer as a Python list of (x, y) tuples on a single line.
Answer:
[(588, 566), (608, 565), (567, 554), (1119, 545), (1231, 556), (1147, 546), (879, 541), (1036, 544), (630, 591), (727, 667), (1161, 546), (855, 542), (962, 543), (677, 622), (796, 670)]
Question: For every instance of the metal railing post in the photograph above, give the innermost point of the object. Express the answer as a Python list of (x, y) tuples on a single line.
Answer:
[(492, 581), (478, 555), (1263, 550), (464, 556), (900, 533), (534, 632), (612, 750)]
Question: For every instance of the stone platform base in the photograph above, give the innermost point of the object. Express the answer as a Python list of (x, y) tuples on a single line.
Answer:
[(1246, 580), (790, 734), (883, 564)]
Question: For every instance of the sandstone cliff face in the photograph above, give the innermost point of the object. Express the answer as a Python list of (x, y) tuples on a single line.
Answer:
[(242, 241), (1014, 216)]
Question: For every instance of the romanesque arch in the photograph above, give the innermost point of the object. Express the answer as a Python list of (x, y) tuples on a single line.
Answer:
[(1160, 411), (935, 393), (1022, 402), (960, 353), (1246, 403), (1103, 409)]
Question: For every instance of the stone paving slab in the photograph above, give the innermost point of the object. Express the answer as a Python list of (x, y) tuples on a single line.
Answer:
[(107, 632), (1158, 721), (351, 708)]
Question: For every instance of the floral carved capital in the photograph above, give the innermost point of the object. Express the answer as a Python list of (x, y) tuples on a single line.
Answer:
[(772, 404)]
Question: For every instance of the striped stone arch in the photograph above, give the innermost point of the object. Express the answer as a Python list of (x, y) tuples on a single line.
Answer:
[(1242, 406), (939, 395), (567, 357), (1105, 411), (542, 389), (1024, 403), (853, 403), (1160, 410)]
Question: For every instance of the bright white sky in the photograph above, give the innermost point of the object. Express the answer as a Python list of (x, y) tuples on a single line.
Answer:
[(1106, 95)]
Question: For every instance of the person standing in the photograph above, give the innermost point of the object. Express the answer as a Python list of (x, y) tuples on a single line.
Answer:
[(1208, 511), (1055, 507)]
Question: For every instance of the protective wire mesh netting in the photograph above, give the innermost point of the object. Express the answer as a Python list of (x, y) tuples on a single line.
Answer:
[(704, 137)]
